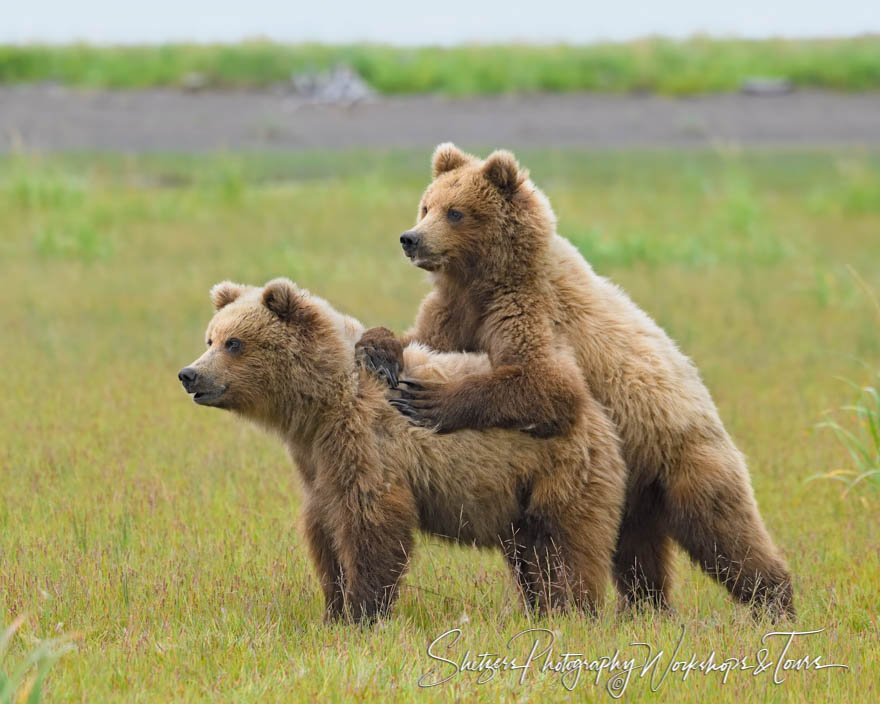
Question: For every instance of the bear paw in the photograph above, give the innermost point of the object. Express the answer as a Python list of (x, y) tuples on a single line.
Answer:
[(380, 353)]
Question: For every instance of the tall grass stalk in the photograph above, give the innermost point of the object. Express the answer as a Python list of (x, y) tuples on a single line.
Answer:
[(23, 682)]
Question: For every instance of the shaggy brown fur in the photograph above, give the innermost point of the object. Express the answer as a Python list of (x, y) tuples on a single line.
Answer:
[(507, 284), (286, 359), (491, 300)]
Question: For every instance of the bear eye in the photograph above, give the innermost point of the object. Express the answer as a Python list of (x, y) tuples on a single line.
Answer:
[(454, 215), (424, 210), (233, 345)]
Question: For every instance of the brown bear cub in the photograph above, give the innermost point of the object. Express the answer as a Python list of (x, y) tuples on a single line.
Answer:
[(484, 237), (556, 333), (286, 359)]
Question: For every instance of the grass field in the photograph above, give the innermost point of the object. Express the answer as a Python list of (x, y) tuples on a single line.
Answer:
[(698, 65), (161, 537)]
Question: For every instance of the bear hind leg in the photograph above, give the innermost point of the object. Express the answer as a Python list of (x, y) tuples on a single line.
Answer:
[(560, 566), (642, 559), (535, 560), (715, 519)]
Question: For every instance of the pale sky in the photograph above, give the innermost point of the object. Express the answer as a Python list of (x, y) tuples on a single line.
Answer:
[(412, 22)]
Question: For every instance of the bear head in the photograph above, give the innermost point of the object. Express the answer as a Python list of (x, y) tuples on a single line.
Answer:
[(271, 350), (477, 215)]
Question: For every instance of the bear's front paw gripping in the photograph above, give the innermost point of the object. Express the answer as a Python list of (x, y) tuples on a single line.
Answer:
[(380, 352), (423, 404)]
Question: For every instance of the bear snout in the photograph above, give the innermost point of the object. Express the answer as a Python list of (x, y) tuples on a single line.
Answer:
[(188, 377), (410, 242)]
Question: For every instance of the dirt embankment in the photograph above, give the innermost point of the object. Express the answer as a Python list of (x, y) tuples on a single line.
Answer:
[(51, 118)]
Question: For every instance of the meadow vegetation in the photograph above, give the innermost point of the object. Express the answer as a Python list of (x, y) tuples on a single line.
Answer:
[(162, 537), (693, 66)]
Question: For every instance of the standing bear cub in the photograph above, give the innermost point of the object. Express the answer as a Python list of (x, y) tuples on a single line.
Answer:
[(286, 359), (556, 334)]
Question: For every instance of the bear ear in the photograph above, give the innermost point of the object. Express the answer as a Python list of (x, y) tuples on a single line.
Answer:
[(502, 170), (225, 292), (448, 157), (282, 298)]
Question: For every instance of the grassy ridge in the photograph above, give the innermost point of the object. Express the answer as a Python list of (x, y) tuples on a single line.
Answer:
[(663, 66), (162, 536)]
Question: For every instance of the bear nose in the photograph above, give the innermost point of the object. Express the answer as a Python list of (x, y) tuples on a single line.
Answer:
[(187, 377), (410, 241)]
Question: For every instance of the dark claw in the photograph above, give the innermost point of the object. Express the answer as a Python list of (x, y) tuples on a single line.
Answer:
[(416, 399), (413, 384), (386, 376), (387, 370), (403, 407), (406, 410)]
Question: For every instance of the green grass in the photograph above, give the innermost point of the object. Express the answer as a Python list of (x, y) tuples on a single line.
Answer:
[(859, 432), (165, 535), (697, 65)]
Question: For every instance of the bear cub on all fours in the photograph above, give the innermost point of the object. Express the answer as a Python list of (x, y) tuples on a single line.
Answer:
[(556, 333), (284, 358)]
